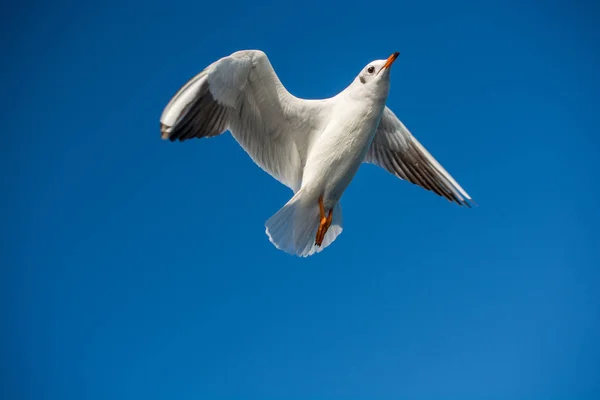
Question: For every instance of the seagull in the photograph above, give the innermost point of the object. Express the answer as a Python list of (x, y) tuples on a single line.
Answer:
[(314, 147)]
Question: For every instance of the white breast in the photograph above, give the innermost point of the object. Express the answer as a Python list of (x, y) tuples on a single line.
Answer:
[(337, 153)]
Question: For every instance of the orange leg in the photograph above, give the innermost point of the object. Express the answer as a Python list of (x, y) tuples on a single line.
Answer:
[(324, 223)]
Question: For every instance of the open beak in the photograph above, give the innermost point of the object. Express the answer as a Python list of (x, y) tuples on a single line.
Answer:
[(389, 61)]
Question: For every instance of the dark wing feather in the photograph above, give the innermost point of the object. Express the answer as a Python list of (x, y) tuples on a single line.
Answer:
[(396, 150)]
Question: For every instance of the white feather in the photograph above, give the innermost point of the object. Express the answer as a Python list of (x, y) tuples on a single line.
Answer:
[(395, 149)]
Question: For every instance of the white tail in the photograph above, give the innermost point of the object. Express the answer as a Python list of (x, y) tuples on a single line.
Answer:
[(293, 228)]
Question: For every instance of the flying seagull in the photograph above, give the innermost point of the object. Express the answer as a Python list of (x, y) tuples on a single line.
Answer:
[(314, 147)]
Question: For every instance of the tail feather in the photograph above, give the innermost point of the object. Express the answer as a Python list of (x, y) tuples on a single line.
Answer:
[(293, 228)]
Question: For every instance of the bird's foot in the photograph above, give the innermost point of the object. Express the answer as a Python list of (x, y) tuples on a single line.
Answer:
[(324, 224)]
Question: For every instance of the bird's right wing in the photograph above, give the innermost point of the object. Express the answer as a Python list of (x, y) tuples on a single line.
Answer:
[(396, 150), (243, 94)]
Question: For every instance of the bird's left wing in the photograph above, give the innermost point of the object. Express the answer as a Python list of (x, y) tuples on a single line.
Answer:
[(242, 93), (396, 150)]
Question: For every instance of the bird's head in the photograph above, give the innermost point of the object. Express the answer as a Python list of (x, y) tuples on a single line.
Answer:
[(375, 76)]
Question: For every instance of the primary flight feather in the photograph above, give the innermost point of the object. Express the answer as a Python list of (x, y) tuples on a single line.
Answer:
[(314, 147)]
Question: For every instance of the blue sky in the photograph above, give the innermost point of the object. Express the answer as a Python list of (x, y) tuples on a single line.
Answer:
[(137, 268)]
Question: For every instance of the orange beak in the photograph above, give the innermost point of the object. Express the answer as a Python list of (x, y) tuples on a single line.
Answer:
[(389, 61)]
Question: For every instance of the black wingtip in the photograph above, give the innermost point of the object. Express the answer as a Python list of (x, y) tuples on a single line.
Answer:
[(165, 131), (469, 203)]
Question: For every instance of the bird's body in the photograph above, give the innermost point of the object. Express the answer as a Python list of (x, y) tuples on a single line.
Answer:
[(339, 150), (315, 147)]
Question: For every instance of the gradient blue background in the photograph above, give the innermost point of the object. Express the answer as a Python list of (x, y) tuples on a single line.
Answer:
[(135, 268)]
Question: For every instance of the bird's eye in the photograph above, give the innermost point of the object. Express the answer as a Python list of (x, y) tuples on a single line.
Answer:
[(371, 69)]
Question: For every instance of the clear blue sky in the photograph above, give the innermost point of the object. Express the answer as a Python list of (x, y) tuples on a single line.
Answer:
[(134, 268)]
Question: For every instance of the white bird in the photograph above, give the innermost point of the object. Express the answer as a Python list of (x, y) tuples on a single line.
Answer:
[(314, 147)]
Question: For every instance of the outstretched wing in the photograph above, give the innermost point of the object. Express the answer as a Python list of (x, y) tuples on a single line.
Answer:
[(242, 93), (395, 149)]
